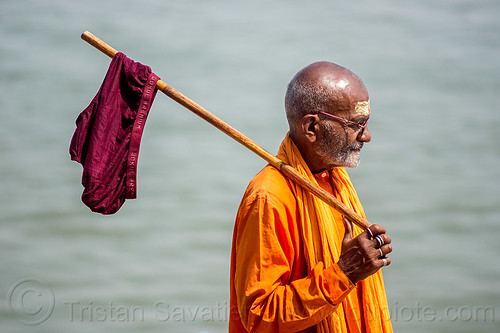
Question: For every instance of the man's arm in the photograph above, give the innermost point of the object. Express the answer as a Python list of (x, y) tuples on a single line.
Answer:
[(265, 252)]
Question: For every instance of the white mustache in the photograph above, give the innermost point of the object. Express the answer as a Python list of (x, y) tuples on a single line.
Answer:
[(356, 146)]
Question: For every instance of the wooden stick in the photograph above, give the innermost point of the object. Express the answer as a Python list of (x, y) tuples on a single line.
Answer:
[(289, 171)]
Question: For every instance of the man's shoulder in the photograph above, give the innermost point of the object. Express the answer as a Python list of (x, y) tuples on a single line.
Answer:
[(271, 184)]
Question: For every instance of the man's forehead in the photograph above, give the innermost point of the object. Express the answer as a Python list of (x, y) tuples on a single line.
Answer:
[(362, 108)]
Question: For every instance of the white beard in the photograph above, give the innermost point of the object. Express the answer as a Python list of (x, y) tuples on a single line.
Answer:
[(352, 160), (348, 157)]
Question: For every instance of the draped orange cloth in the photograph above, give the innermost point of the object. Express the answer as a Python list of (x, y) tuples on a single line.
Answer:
[(286, 244)]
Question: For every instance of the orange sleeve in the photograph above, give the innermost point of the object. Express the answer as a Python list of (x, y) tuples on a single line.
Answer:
[(268, 298)]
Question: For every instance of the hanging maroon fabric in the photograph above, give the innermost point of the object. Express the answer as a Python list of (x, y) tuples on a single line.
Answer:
[(108, 134)]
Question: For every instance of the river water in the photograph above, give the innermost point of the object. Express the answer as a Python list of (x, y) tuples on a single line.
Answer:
[(161, 264)]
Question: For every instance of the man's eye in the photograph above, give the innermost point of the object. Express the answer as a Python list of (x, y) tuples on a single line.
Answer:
[(354, 126), (362, 122)]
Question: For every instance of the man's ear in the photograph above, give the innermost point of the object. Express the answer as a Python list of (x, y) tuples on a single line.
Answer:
[(310, 127)]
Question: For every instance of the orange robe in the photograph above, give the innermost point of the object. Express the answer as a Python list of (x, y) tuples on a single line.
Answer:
[(286, 244)]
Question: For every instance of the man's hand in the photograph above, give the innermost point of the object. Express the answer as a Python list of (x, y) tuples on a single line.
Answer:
[(363, 256)]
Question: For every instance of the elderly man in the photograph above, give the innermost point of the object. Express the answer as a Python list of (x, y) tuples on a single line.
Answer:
[(296, 263)]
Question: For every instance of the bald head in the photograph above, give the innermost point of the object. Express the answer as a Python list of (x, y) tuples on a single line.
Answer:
[(319, 90), (322, 86)]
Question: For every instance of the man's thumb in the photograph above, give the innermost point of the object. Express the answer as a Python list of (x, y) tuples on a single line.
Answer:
[(348, 231)]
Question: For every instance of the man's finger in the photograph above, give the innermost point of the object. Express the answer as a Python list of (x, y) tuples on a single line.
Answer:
[(380, 240), (385, 261), (384, 250), (376, 229)]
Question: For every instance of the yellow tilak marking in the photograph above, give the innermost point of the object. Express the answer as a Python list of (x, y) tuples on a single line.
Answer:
[(363, 108)]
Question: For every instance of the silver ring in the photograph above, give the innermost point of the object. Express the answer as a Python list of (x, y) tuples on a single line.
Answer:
[(381, 253), (371, 233), (384, 260), (380, 240)]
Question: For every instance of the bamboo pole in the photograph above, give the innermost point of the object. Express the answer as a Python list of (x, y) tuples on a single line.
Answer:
[(289, 171)]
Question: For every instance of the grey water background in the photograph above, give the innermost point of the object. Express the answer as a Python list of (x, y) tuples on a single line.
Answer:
[(161, 264)]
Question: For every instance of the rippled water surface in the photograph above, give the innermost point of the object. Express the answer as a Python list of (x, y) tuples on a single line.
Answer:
[(161, 264)]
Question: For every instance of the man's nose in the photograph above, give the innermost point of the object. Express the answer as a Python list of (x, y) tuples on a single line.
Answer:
[(365, 136)]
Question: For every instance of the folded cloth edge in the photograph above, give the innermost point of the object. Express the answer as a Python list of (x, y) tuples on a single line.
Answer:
[(135, 141)]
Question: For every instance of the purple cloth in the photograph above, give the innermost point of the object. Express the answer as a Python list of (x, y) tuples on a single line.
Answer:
[(108, 134)]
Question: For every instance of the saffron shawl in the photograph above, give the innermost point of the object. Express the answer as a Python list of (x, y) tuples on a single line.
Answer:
[(365, 308)]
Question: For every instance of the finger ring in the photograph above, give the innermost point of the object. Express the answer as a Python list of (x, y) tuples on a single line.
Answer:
[(384, 260), (370, 232), (381, 253), (380, 240)]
